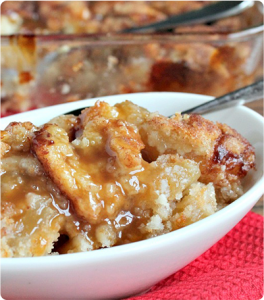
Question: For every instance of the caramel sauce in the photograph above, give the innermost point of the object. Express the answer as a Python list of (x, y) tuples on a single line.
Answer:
[(30, 219), (115, 194), (28, 198)]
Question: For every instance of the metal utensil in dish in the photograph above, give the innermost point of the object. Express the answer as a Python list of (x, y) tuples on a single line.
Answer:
[(244, 95), (209, 13)]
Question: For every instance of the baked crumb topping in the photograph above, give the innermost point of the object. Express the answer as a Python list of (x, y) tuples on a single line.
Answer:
[(47, 17), (113, 175)]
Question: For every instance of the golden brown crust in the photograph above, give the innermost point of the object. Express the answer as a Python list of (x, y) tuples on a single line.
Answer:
[(234, 152), (233, 157), (69, 123), (100, 109), (224, 156), (52, 147), (18, 135), (4, 148), (191, 136), (125, 143)]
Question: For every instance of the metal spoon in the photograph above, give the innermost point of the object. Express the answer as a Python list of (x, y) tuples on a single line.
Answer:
[(209, 13), (244, 95)]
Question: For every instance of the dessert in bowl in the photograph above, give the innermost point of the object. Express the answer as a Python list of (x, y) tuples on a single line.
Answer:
[(132, 268)]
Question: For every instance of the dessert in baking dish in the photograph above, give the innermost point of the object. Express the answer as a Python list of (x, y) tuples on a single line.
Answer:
[(47, 69), (113, 175)]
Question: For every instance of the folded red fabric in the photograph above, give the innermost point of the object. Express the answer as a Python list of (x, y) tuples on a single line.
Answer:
[(230, 270)]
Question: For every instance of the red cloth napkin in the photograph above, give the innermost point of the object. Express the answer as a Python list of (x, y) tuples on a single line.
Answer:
[(230, 270)]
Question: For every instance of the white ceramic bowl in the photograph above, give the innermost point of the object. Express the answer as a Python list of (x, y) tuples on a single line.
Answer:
[(131, 269)]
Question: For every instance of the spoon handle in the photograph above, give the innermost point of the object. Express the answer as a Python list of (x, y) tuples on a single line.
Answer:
[(209, 13), (246, 94)]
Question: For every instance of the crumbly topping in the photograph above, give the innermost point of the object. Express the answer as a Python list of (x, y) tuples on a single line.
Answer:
[(114, 175)]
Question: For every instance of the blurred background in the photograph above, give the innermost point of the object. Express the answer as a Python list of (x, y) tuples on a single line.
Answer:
[(61, 51)]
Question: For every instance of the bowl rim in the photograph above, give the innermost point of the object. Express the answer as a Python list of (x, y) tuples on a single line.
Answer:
[(121, 250)]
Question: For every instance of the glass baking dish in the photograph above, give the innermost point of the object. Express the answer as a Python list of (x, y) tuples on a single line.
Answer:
[(43, 70)]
